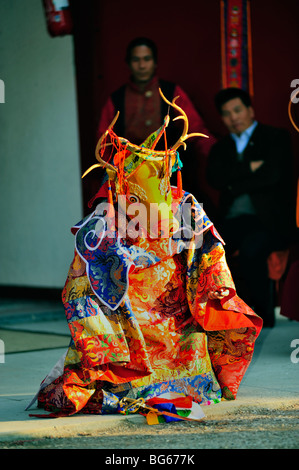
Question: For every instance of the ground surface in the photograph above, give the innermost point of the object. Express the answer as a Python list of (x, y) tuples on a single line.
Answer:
[(259, 428)]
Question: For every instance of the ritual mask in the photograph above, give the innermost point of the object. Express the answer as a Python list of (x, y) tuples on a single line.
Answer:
[(139, 176)]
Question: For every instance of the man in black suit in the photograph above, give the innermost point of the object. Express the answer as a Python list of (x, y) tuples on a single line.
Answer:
[(252, 169)]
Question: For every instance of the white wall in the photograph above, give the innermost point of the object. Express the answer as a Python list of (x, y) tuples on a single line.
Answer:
[(39, 150)]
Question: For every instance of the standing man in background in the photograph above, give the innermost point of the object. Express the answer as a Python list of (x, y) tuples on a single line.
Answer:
[(142, 112)]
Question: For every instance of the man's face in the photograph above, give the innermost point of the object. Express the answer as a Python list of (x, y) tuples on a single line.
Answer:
[(142, 64), (236, 116)]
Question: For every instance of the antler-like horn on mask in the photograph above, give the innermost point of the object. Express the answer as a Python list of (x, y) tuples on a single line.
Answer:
[(157, 154), (97, 153), (185, 135)]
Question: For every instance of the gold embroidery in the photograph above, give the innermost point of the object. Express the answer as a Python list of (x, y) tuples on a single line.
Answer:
[(138, 191)]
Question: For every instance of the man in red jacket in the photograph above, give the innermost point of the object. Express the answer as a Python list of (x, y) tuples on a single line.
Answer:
[(142, 112)]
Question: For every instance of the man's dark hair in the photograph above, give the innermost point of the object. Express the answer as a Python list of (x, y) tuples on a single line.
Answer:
[(141, 41), (228, 94)]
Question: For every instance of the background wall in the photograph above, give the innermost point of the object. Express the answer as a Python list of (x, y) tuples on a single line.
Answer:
[(188, 39), (40, 164)]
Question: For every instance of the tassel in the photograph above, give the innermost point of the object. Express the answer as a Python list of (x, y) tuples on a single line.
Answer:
[(110, 197), (152, 418), (179, 184), (111, 211)]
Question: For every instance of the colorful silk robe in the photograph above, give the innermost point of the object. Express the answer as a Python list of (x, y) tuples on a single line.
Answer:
[(141, 322)]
